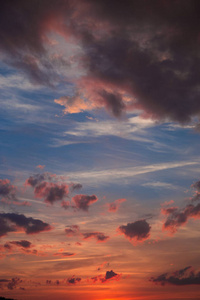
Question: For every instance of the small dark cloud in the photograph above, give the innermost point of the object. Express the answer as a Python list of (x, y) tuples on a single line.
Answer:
[(178, 217), (64, 254), (10, 222), (76, 187), (7, 190), (12, 284), (51, 192), (72, 230), (181, 277), (84, 201), (73, 280), (99, 236), (137, 231), (22, 243), (110, 275), (36, 179), (196, 185)]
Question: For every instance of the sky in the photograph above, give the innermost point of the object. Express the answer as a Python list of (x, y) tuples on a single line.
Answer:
[(99, 149)]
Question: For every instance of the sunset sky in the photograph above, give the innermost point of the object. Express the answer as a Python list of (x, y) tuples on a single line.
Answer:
[(99, 149)]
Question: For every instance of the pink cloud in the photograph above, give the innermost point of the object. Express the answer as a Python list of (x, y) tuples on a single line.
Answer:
[(84, 201), (114, 206)]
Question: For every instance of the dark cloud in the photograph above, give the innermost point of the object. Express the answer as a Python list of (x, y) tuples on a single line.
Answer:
[(76, 186), (45, 188), (157, 68), (7, 190), (22, 243), (12, 284), (10, 222), (36, 179), (5, 227), (73, 280), (110, 275), (196, 185), (137, 231), (178, 217), (145, 50), (84, 201), (64, 254), (99, 236), (185, 276), (72, 230), (51, 192), (24, 29)]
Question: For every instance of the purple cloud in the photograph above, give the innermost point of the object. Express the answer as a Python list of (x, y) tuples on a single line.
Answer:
[(137, 231)]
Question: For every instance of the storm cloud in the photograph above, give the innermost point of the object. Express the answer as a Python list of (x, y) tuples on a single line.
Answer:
[(136, 54)]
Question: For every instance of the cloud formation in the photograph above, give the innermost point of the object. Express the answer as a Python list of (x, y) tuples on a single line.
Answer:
[(72, 230), (10, 222), (45, 188), (83, 202), (114, 206), (178, 217), (99, 236), (135, 54), (64, 254), (23, 243), (137, 231), (181, 277), (7, 190), (110, 275), (73, 280)]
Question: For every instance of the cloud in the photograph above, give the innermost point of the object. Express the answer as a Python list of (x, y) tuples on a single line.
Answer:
[(12, 284), (23, 243), (84, 201), (182, 277), (114, 206), (37, 179), (41, 167), (11, 221), (7, 190), (137, 231), (45, 188), (103, 176), (146, 56), (76, 186), (73, 230), (110, 275), (73, 280), (99, 236), (51, 192), (64, 254), (178, 217)]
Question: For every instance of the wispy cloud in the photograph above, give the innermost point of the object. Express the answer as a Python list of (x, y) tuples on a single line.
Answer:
[(114, 174)]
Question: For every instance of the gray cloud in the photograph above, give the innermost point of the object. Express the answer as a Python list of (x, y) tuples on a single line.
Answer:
[(181, 277), (138, 231)]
